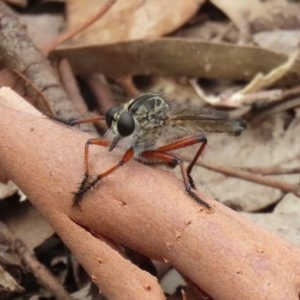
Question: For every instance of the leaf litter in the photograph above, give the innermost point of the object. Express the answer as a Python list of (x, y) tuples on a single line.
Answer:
[(236, 58)]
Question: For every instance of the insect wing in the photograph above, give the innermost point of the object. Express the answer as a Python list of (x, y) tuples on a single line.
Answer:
[(198, 115), (190, 120)]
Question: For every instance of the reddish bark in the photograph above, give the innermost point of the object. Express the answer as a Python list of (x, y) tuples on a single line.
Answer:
[(145, 209)]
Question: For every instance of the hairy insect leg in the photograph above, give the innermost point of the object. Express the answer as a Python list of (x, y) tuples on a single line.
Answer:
[(198, 139), (82, 188), (171, 159), (85, 185), (186, 142)]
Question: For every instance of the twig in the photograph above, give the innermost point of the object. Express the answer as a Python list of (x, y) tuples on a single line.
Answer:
[(19, 53), (229, 171), (288, 93), (72, 32), (69, 83), (128, 85), (198, 90), (71, 87), (274, 170), (40, 271), (254, 98), (102, 92), (265, 97), (37, 91), (282, 106)]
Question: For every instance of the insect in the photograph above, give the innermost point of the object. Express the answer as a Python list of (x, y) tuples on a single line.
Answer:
[(150, 128)]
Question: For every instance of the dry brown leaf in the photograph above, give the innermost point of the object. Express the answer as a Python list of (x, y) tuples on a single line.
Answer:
[(242, 12), (179, 90), (290, 203), (8, 284), (284, 220), (129, 20), (171, 280), (284, 41), (259, 83), (38, 24), (21, 3), (267, 144), (264, 81), (286, 225), (282, 14), (256, 16), (176, 57), (26, 223), (7, 190)]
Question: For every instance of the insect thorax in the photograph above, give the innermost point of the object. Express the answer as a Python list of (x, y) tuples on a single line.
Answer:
[(150, 111)]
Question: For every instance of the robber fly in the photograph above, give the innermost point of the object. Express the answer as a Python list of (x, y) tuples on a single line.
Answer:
[(149, 128)]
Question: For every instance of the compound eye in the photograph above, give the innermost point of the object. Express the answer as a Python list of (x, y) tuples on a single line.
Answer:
[(110, 115), (125, 124)]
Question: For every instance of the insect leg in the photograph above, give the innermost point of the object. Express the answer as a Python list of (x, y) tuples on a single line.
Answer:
[(189, 141), (85, 120), (171, 159), (74, 122), (85, 186), (199, 139), (98, 142)]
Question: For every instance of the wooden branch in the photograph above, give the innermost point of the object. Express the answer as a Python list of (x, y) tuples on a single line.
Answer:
[(20, 54), (116, 276), (145, 209)]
